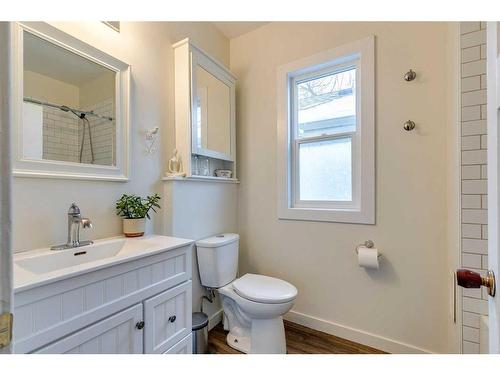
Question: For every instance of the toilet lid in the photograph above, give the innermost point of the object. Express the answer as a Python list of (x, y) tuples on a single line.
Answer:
[(265, 289)]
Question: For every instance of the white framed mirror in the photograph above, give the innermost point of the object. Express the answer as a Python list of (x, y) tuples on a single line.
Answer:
[(71, 107), (213, 108)]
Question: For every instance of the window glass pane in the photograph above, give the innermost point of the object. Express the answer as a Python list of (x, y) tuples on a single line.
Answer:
[(327, 105), (325, 170)]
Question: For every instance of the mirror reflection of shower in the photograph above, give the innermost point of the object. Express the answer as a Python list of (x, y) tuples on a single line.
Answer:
[(70, 104), (86, 121), (84, 127)]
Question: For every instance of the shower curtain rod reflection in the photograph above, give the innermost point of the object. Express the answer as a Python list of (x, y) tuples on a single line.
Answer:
[(64, 108)]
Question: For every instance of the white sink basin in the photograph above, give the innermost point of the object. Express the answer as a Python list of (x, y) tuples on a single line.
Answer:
[(50, 261), (42, 266)]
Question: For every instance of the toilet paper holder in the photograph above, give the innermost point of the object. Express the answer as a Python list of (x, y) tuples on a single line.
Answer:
[(369, 244)]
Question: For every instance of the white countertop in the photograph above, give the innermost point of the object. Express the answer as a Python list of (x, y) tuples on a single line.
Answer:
[(29, 266)]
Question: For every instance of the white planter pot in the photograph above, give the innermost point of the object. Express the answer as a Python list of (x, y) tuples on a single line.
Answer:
[(134, 227)]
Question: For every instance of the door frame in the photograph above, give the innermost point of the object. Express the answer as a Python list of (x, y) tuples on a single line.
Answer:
[(493, 96), (454, 192), (6, 274)]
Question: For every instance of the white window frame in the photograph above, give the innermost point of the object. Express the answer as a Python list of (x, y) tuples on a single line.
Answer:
[(362, 207)]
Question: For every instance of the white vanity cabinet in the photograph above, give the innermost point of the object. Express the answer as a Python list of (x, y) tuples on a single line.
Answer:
[(142, 305), (161, 324)]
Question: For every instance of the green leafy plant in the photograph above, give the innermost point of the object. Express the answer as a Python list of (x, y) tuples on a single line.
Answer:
[(136, 207)]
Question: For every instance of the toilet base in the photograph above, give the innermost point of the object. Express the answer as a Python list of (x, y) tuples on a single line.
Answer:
[(267, 336), (239, 343)]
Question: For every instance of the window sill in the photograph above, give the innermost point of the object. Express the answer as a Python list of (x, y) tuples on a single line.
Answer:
[(327, 215)]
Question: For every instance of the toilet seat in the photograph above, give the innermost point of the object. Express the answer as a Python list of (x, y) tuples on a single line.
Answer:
[(264, 289)]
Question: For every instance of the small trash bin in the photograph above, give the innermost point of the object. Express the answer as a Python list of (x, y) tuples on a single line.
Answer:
[(200, 333)]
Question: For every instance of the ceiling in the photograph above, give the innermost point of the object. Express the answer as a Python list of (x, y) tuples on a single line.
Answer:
[(45, 58), (235, 29)]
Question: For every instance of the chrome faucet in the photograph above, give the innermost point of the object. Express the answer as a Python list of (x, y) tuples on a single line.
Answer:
[(75, 219)]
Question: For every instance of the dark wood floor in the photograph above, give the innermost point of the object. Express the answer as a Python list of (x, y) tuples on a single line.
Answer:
[(299, 340)]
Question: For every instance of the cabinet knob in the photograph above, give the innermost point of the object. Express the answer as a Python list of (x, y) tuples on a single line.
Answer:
[(140, 325), (172, 318)]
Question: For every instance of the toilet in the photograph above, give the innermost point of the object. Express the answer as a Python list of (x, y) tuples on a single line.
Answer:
[(253, 305)]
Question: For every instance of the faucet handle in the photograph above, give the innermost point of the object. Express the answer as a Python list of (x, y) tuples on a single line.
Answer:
[(74, 209), (86, 223)]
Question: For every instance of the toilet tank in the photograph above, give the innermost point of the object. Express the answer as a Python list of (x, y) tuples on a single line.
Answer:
[(218, 259)]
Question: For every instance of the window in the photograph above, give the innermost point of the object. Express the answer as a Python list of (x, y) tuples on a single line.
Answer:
[(326, 136)]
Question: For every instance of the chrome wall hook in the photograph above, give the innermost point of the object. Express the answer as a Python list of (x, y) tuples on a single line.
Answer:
[(409, 125), (410, 75)]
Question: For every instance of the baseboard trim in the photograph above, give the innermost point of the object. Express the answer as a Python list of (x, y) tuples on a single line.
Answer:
[(215, 319), (359, 336)]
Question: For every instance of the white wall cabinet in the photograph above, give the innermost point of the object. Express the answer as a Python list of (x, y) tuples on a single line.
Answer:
[(205, 112)]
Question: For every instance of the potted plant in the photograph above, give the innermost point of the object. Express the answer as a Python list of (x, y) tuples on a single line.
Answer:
[(134, 210)]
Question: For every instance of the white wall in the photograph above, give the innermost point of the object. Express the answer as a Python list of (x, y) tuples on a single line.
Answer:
[(40, 205), (98, 90), (405, 305), (44, 88), (200, 209)]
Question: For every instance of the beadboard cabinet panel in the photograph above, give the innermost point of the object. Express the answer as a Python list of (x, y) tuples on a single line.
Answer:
[(185, 346), (168, 318), (117, 334)]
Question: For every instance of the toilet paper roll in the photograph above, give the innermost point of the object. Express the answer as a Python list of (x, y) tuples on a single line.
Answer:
[(368, 257)]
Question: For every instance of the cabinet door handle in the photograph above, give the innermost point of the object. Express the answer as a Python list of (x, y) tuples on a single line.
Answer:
[(140, 325), (172, 319)]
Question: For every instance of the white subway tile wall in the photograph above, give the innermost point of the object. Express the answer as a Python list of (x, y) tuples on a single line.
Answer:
[(60, 135), (63, 132), (474, 179)]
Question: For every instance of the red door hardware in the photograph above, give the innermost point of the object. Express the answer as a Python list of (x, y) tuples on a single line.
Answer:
[(470, 279)]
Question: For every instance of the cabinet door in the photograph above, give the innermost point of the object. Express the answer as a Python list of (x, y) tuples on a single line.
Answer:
[(168, 318), (185, 346), (117, 334)]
